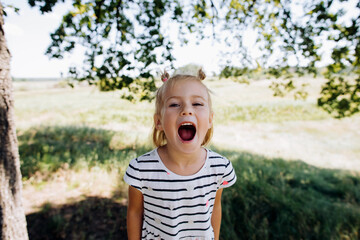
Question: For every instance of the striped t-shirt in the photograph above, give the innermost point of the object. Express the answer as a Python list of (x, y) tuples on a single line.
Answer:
[(178, 207)]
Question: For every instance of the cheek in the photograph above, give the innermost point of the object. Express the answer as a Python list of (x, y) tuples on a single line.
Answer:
[(205, 114), (168, 118), (170, 113), (206, 120)]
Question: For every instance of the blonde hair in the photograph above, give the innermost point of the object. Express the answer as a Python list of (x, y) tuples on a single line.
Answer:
[(159, 138)]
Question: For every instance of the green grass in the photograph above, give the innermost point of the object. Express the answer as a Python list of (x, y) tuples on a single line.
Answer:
[(47, 149), (92, 108), (272, 198), (271, 112), (277, 199), (77, 107)]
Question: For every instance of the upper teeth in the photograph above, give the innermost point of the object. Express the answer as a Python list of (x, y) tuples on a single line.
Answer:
[(185, 124)]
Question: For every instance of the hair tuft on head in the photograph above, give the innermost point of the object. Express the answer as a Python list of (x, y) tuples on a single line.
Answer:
[(201, 74), (165, 76)]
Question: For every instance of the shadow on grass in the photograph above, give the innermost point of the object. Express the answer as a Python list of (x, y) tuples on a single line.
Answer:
[(278, 199), (272, 198), (92, 218), (46, 149)]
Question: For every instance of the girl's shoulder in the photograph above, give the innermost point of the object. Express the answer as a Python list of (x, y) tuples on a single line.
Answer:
[(219, 161), (143, 168), (221, 165), (216, 156), (148, 158)]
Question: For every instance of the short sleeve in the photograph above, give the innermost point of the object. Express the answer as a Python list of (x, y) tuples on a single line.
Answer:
[(133, 175), (229, 177)]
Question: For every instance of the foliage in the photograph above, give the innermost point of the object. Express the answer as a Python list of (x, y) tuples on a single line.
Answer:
[(341, 94), (241, 75), (277, 199), (302, 31), (9, 6), (125, 40)]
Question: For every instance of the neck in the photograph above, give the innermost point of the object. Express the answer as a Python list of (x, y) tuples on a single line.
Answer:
[(180, 162)]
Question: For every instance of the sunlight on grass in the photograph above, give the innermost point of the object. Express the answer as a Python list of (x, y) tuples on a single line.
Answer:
[(301, 111)]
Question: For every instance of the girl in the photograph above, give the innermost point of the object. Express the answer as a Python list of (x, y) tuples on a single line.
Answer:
[(175, 190)]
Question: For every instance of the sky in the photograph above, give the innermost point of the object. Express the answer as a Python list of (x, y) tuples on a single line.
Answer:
[(28, 36)]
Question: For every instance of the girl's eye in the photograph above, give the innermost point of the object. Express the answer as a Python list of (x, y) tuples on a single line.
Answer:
[(198, 104), (174, 105)]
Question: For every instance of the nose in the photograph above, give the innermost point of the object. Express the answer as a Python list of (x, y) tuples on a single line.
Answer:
[(187, 110)]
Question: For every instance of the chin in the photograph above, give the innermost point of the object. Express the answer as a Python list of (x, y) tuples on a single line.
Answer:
[(190, 146)]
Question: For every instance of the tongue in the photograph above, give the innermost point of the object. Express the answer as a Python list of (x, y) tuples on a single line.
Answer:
[(187, 133)]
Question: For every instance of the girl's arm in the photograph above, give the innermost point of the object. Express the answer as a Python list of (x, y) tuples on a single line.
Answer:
[(135, 213), (216, 214)]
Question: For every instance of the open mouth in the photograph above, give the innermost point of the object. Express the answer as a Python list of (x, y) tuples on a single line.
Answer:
[(187, 131)]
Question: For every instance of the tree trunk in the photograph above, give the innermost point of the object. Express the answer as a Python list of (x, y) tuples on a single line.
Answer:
[(12, 216)]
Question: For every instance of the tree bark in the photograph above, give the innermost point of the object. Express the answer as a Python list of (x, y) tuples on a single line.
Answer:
[(12, 215)]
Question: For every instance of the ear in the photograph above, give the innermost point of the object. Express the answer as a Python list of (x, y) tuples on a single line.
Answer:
[(157, 122), (211, 117)]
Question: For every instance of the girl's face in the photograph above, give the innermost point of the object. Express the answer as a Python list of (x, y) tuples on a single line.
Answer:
[(185, 116)]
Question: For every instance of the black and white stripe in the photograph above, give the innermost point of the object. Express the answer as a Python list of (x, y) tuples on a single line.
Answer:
[(178, 207)]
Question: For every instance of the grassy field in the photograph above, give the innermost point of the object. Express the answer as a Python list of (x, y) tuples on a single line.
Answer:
[(298, 169)]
